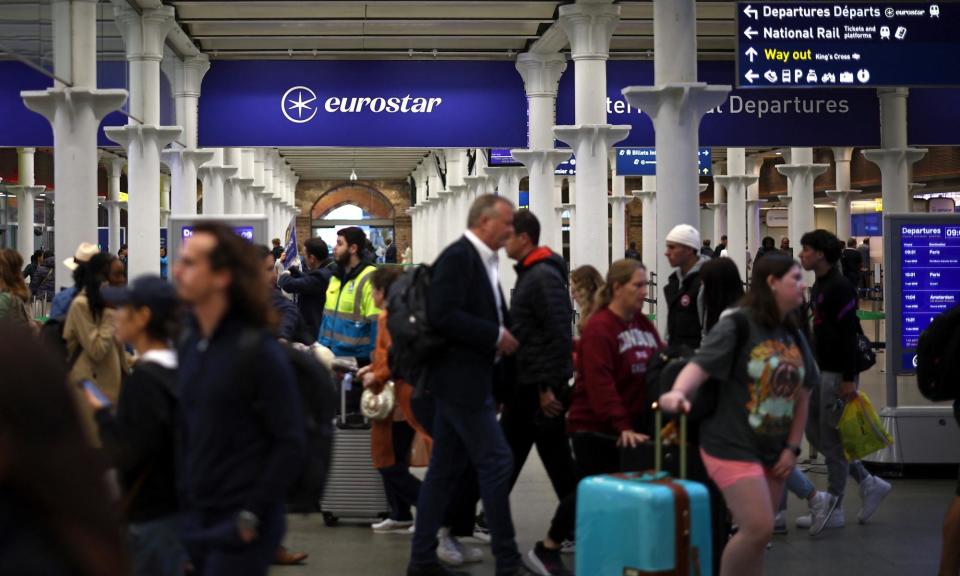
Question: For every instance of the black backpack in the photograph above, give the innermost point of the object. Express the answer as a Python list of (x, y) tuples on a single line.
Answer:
[(414, 341), (938, 357), (318, 401), (664, 367)]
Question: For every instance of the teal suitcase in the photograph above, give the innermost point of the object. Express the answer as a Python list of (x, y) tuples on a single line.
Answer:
[(643, 524)]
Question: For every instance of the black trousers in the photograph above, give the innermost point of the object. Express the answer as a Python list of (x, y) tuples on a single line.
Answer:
[(525, 426), (594, 454), (402, 487)]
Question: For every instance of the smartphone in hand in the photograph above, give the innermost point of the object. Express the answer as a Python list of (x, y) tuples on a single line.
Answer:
[(94, 393)]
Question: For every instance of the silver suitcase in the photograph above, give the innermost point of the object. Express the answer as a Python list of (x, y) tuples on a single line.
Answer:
[(354, 488)]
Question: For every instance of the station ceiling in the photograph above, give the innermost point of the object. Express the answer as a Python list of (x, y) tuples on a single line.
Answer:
[(348, 29)]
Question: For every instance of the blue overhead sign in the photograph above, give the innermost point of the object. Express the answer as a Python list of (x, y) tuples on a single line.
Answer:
[(643, 162), (804, 44), (420, 103), (567, 167)]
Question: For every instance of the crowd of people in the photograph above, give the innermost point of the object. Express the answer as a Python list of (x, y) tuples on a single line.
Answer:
[(176, 411)]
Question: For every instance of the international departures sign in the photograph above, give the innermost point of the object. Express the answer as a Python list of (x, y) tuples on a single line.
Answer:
[(838, 44)]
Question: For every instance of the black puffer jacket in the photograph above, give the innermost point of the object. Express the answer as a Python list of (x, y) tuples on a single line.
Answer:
[(542, 319)]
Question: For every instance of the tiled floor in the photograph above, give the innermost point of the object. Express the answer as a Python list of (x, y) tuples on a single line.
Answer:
[(902, 539)]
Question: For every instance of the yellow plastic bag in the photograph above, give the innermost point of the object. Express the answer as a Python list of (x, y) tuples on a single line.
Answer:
[(861, 430)]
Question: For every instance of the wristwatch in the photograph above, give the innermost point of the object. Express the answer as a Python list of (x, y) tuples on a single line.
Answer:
[(247, 520), (793, 448)]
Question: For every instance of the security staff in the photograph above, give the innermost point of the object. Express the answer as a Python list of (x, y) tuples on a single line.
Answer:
[(349, 324)]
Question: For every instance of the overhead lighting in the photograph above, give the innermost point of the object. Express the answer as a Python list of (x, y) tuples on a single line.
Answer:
[(353, 175)]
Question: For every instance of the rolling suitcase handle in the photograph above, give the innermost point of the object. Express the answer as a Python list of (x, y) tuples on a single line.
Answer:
[(658, 442)]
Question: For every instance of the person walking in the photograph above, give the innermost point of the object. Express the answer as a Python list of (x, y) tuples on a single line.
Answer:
[(609, 409), (751, 441), (93, 351), (78, 267), (585, 283), (836, 330), (467, 308), (390, 256), (139, 437), (632, 252), (718, 251), (684, 291), (43, 284), (14, 294), (290, 324), (310, 287), (242, 442), (349, 326), (852, 263)]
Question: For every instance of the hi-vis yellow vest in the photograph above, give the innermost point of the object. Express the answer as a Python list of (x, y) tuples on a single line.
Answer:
[(349, 326)]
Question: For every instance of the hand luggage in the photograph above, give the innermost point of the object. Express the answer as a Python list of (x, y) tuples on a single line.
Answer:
[(354, 487), (644, 524)]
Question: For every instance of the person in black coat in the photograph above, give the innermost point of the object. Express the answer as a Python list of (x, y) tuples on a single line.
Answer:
[(140, 436), (390, 256), (541, 319), (310, 287), (291, 326), (467, 308)]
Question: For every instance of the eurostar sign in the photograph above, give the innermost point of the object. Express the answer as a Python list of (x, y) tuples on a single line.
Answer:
[(300, 104)]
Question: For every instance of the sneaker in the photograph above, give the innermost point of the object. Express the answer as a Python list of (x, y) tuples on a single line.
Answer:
[(836, 520), (779, 524), (448, 550), (470, 554), (388, 526), (822, 507), (481, 533), (872, 492), (545, 562), (568, 547)]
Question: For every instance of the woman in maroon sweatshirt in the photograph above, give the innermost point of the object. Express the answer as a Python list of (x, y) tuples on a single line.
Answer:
[(609, 403)]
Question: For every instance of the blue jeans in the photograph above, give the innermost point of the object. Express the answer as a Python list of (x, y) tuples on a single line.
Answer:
[(155, 547), (462, 435)]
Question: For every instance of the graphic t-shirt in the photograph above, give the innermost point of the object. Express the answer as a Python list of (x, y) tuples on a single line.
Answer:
[(755, 406)]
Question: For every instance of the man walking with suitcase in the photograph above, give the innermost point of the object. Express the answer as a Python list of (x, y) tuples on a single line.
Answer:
[(466, 307), (241, 427)]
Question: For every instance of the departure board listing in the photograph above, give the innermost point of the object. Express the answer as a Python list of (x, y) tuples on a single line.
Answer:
[(800, 44), (930, 278)]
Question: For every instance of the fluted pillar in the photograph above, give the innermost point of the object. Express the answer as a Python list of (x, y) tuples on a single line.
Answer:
[(26, 192)]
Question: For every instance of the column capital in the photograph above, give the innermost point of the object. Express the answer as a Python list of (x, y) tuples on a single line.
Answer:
[(893, 92), (702, 187), (645, 194), (802, 170), (541, 72), (26, 190), (883, 157), (589, 25), (842, 154), (756, 202), (597, 136), (47, 102), (537, 160), (738, 183), (690, 97), (619, 200), (785, 199), (144, 33), (716, 205), (458, 188), (186, 76), (842, 194), (131, 133)]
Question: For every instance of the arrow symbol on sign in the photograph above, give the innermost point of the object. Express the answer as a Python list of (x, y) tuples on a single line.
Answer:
[(751, 76), (751, 53), (750, 33), (751, 12)]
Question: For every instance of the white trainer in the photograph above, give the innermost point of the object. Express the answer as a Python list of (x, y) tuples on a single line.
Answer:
[(448, 549), (822, 507), (470, 554), (872, 492), (836, 520), (388, 526)]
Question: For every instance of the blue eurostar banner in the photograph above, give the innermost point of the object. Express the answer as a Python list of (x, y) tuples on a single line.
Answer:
[(420, 103)]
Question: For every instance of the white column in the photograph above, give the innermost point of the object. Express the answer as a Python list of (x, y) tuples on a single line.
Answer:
[(589, 27), (214, 174), (508, 186), (256, 189), (618, 202), (143, 138), (74, 113), (719, 207), (894, 157), (736, 183), (541, 75), (269, 166), (114, 172), (754, 164), (164, 200), (186, 77), (26, 191), (648, 225), (843, 192), (246, 181), (676, 105), (801, 172), (233, 188)]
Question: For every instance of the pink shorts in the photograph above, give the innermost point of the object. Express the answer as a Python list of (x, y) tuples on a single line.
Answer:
[(726, 473)]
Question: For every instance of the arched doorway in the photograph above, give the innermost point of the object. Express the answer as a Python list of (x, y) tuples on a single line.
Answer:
[(354, 204)]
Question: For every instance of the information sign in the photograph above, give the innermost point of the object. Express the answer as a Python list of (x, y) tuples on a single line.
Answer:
[(643, 162), (790, 44), (926, 273)]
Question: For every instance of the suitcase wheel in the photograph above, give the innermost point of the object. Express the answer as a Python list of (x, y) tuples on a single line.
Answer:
[(330, 520)]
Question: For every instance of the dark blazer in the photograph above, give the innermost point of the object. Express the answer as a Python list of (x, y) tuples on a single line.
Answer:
[(462, 308)]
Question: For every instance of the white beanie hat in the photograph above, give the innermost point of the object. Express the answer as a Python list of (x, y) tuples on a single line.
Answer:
[(685, 235)]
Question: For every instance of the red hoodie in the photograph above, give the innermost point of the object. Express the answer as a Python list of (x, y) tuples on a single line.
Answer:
[(612, 357)]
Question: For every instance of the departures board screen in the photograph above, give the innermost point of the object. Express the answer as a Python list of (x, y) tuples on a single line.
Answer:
[(925, 253)]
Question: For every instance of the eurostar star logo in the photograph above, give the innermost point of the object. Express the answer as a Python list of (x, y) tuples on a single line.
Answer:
[(296, 104)]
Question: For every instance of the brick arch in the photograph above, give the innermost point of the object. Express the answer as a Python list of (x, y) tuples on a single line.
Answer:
[(371, 200)]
